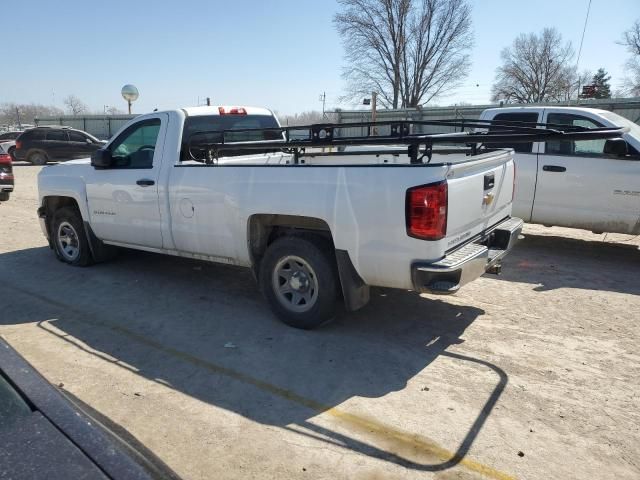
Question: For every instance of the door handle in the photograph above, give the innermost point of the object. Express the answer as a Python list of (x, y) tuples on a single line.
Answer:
[(145, 182), (554, 168)]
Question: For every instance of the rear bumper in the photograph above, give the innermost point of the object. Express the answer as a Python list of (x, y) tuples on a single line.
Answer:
[(467, 263), (19, 154)]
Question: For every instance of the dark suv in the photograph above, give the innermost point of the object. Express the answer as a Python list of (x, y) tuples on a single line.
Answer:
[(42, 144)]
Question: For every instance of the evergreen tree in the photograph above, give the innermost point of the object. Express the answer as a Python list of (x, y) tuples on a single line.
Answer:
[(601, 83)]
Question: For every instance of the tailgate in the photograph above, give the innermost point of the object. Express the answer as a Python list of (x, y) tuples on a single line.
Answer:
[(479, 195)]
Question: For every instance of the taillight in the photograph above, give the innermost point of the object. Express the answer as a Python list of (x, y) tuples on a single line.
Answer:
[(426, 211), (232, 111), (18, 144), (5, 159)]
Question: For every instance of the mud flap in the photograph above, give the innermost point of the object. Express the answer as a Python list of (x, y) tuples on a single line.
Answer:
[(354, 290)]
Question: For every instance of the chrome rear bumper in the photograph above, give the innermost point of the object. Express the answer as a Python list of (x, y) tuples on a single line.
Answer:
[(469, 262)]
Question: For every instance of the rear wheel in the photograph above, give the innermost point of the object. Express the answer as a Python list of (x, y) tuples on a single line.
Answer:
[(299, 279), (11, 153), (69, 239), (4, 196), (37, 158)]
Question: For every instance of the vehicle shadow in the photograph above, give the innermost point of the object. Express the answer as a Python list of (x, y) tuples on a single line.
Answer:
[(556, 262), (204, 330)]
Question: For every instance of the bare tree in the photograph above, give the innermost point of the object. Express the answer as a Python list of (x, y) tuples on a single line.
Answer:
[(74, 105), (114, 111), (409, 51), (304, 118), (22, 113), (631, 40), (536, 68)]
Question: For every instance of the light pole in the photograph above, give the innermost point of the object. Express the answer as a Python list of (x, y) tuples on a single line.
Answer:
[(323, 99), (130, 94)]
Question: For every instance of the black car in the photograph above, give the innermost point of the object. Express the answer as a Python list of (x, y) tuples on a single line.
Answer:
[(46, 433), (42, 144)]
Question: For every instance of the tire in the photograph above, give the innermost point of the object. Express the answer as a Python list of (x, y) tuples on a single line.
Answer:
[(38, 158), (69, 238), (299, 279), (4, 196), (11, 153)]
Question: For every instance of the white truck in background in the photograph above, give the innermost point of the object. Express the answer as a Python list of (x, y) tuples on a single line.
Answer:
[(312, 225), (588, 184)]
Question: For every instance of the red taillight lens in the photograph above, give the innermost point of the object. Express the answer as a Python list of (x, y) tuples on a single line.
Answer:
[(232, 111), (5, 159), (427, 211), (18, 144)]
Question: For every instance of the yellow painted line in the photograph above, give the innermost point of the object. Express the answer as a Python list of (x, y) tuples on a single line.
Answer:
[(401, 441), (417, 444)]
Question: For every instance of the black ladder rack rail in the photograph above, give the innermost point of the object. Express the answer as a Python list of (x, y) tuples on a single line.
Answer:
[(296, 139)]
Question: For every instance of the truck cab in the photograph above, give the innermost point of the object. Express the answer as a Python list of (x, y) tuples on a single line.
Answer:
[(588, 184)]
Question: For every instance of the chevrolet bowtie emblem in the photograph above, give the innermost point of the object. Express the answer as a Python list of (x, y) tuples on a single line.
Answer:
[(487, 199)]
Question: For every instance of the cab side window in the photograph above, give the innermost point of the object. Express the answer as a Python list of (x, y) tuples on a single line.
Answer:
[(581, 148), (134, 148), (523, 117)]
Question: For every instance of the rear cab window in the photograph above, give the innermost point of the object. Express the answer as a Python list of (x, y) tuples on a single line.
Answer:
[(525, 117), (214, 125)]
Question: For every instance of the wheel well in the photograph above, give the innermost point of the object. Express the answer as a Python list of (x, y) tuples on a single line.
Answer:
[(51, 204), (264, 229), (31, 151)]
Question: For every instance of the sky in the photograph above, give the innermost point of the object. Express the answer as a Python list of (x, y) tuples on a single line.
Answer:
[(281, 54)]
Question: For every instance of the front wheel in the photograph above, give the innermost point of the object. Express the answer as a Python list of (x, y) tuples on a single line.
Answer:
[(299, 279), (69, 239)]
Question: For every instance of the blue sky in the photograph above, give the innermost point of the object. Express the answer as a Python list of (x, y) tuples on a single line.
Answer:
[(280, 53)]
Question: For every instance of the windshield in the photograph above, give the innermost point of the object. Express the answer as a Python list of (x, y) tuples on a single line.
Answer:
[(634, 128), (93, 139)]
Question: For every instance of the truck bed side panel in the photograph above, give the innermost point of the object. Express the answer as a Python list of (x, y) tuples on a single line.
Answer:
[(364, 207)]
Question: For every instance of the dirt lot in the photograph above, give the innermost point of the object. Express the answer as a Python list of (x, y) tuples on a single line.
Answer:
[(534, 374)]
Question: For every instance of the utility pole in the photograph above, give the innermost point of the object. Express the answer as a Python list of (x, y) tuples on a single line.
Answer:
[(323, 99), (374, 101)]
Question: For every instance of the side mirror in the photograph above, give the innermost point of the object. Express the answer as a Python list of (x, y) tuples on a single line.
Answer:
[(101, 158), (616, 146)]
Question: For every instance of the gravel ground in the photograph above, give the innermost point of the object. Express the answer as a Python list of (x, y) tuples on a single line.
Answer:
[(533, 374)]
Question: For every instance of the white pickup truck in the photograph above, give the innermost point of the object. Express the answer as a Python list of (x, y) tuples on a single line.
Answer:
[(312, 225), (589, 184)]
